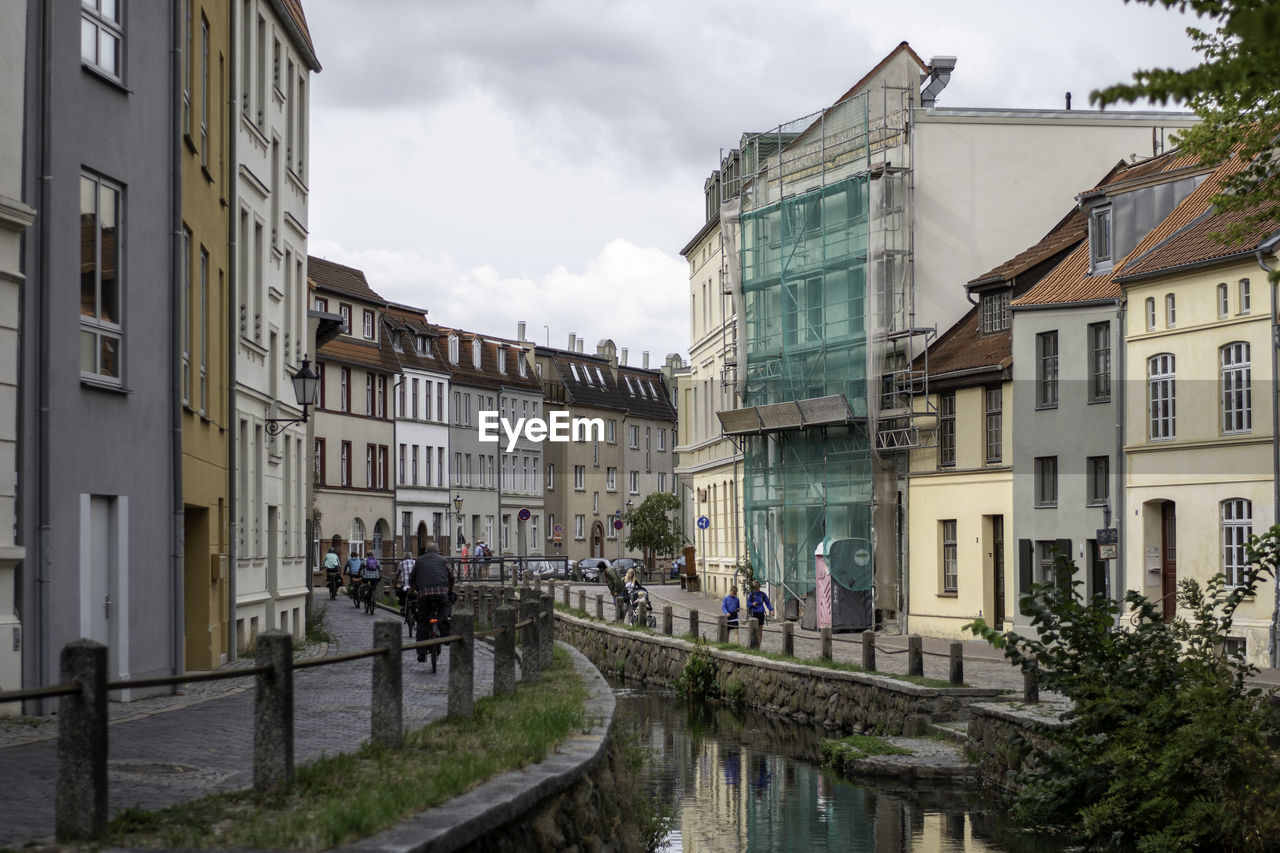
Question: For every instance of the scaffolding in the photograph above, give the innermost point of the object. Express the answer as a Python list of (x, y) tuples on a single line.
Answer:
[(818, 262)]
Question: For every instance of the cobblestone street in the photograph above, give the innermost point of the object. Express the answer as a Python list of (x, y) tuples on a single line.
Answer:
[(174, 748)]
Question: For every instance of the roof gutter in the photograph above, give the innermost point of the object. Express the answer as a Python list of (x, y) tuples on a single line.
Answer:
[(1049, 306)]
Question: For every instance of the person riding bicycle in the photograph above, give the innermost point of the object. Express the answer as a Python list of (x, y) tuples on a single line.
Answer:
[(370, 574), (354, 564), (403, 570), (332, 571), (432, 581)]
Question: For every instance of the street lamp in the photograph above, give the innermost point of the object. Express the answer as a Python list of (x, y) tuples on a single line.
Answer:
[(305, 386)]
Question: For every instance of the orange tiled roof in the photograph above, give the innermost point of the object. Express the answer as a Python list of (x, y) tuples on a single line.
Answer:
[(1196, 244), (290, 12), (359, 352)]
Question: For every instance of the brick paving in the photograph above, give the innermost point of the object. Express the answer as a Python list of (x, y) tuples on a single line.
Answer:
[(174, 748)]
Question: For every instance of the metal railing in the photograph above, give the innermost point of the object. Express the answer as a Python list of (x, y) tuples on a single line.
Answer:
[(82, 741)]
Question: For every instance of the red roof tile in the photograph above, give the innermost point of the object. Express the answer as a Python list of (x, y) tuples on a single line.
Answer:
[(295, 21)]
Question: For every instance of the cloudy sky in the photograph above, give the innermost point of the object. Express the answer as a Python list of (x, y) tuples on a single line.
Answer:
[(503, 160)]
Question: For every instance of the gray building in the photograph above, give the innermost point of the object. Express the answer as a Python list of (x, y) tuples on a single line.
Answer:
[(1067, 360), (99, 436)]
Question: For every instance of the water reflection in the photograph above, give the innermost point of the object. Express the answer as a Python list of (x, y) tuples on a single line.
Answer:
[(745, 781)]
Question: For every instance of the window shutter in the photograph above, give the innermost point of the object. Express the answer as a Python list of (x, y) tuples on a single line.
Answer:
[(1026, 566)]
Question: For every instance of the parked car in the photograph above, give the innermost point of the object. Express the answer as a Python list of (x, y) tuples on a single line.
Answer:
[(624, 563), (547, 568), (592, 568)]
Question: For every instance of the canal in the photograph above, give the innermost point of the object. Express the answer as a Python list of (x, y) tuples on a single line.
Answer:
[(740, 780)]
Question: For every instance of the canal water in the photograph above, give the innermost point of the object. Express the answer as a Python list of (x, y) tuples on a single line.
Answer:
[(742, 781)]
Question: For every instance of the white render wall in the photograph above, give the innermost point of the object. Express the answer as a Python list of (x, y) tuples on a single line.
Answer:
[(270, 298), (431, 493)]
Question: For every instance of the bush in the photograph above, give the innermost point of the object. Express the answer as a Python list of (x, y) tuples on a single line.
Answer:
[(698, 681), (1166, 747)]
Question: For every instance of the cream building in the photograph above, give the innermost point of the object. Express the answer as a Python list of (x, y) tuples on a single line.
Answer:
[(1200, 476)]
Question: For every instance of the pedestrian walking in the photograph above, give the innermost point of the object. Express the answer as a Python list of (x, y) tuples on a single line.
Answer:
[(730, 607), (757, 603)]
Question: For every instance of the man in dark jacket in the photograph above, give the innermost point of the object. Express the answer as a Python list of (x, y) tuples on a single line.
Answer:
[(433, 582)]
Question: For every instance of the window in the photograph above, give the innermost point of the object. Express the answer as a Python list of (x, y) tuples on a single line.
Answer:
[(368, 325), (1097, 480), (322, 304), (404, 465), (633, 437), (595, 454), (318, 462), (1244, 296), (466, 477), (413, 472), (1099, 362), (370, 462), (1224, 302), (662, 481), (345, 464), (1046, 554), (662, 440), (368, 394), (1046, 481), (1170, 312), (1160, 396), (466, 409), (995, 424), (1100, 237), (344, 311), (457, 407), (611, 431), (949, 563), (1237, 527), (475, 353), (402, 405), (551, 526), (634, 478), (382, 396), (1047, 370), (611, 479), (457, 469), (579, 477), (453, 349), (204, 331), (204, 91), (947, 430), (502, 360), (344, 399), (579, 527), (551, 477), (524, 371), (1237, 393), (595, 503), (186, 67), (101, 33), (1151, 313), (186, 315), (995, 312), (101, 284)]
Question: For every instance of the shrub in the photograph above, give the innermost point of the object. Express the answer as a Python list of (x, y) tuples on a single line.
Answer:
[(1166, 747), (698, 681)]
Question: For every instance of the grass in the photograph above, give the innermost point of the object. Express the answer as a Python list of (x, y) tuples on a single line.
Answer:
[(836, 753), (339, 799), (834, 664)]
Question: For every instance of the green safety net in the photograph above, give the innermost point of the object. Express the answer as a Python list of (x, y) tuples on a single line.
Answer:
[(804, 287)]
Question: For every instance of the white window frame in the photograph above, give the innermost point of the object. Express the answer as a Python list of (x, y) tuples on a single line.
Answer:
[(1245, 299), (634, 478), (1236, 525), (1161, 397), (1237, 390), (579, 478), (1170, 311), (1224, 302), (1151, 313), (95, 328), (950, 562), (579, 527), (1047, 370), (102, 27), (611, 480)]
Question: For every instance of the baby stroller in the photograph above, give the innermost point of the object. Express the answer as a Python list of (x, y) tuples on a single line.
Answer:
[(632, 602)]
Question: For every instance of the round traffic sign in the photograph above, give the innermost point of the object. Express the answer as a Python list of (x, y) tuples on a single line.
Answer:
[(524, 515), (559, 529), (617, 524), (703, 522)]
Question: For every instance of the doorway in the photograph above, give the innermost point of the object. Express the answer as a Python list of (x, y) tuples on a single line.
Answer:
[(597, 540), (997, 570), (1169, 559)]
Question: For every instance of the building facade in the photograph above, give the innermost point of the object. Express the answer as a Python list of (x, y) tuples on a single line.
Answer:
[(99, 443), (15, 216), (204, 130), (274, 60), (354, 430)]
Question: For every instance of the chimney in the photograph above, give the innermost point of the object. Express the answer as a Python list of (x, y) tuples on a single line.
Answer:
[(623, 360), (1068, 100), (581, 342), (645, 356), (573, 342), (520, 331), (940, 68)]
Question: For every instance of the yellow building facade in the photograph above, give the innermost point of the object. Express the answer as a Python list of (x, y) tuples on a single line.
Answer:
[(207, 189)]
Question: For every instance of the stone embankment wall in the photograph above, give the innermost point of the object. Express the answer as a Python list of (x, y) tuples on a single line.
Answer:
[(1001, 738), (838, 700)]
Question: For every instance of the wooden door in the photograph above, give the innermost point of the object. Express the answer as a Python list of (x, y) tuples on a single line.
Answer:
[(997, 566), (1169, 559)]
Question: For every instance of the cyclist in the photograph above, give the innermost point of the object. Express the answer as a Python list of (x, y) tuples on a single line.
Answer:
[(403, 570), (370, 574), (433, 582), (353, 575), (332, 572)]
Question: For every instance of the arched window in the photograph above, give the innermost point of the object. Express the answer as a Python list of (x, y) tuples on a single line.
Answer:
[(1161, 400), (380, 532), (1151, 313), (1237, 527), (1224, 301), (1237, 395), (1170, 314), (357, 537)]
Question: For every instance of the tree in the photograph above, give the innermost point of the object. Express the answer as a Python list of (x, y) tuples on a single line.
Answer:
[(653, 529), (1234, 91), (1166, 746)]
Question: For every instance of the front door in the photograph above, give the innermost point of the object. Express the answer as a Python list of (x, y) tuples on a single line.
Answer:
[(997, 565), (1169, 560), (597, 540)]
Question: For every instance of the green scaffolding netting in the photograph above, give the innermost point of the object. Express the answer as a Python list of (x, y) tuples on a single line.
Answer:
[(804, 277)]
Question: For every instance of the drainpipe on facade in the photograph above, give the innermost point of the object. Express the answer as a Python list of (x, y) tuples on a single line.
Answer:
[(233, 326), (175, 409), (1268, 246), (1120, 504)]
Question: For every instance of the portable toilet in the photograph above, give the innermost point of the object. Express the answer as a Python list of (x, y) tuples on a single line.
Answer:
[(850, 599), (823, 578)]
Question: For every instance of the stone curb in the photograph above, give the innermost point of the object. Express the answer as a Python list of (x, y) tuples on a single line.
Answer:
[(1045, 715), (469, 817)]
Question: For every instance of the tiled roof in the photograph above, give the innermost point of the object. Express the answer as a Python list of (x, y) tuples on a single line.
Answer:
[(398, 320), (341, 279), (361, 353), (589, 380), (1071, 282), (291, 15), (964, 347), (487, 375), (1195, 244)]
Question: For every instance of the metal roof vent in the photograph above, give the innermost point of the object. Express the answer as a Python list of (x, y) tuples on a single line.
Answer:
[(940, 68)]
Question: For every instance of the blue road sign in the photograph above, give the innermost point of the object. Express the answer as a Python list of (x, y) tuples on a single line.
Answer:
[(703, 522)]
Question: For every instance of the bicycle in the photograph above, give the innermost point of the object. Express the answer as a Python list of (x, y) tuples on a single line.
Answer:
[(409, 610), (434, 605), (370, 600), (333, 580)]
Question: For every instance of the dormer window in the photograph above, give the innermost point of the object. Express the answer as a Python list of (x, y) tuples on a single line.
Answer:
[(600, 376), (652, 391), (502, 360), (995, 312), (630, 390), (396, 343), (1100, 238), (586, 375), (453, 349), (524, 370), (370, 328), (420, 344), (573, 368), (475, 353)]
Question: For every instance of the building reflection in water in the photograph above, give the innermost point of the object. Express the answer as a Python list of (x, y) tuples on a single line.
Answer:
[(744, 781)]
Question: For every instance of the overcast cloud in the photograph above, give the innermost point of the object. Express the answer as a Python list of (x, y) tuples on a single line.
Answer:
[(503, 160)]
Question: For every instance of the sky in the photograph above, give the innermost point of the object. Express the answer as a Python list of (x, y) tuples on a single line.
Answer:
[(497, 161)]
